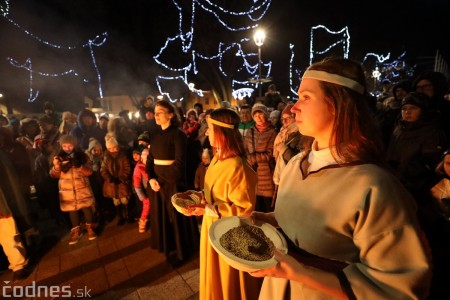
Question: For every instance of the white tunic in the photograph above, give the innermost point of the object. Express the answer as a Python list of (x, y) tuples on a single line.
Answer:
[(357, 214)]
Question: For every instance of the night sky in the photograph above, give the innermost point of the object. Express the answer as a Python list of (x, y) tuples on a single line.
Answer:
[(138, 29)]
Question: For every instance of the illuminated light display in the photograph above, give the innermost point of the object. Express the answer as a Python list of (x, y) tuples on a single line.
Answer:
[(183, 41), (242, 93), (344, 41), (98, 41), (4, 7), (393, 71), (29, 67)]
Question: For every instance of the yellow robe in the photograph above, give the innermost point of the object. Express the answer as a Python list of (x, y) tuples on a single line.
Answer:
[(230, 186)]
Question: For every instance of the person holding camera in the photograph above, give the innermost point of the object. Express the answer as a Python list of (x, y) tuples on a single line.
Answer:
[(72, 167)]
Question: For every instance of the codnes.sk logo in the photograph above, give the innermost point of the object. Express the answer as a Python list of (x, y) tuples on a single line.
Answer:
[(33, 290)]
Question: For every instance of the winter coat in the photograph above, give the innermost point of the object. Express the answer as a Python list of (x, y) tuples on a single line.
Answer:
[(260, 155), (75, 190), (413, 152), (116, 171)]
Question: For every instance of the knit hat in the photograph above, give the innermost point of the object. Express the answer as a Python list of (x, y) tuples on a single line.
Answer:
[(416, 99), (261, 108), (192, 112), (110, 141), (275, 114), (68, 139), (138, 149), (93, 143), (104, 116), (287, 109), (144, 136)]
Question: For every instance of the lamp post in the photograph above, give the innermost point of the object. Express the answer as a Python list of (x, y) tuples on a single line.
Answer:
[(259, 37), (375, 74)]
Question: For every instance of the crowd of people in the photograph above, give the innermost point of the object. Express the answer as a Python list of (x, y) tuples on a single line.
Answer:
[(360, 191)]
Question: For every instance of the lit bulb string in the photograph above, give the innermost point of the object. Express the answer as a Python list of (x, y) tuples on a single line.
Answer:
[(253, 9), (380, 58), (98, 41), (391, 70), (291, 82), (4, 7), (345, 41), (242, 93), (94, 42), (185, 38), (264, 7), (27, 66), (160, 79)]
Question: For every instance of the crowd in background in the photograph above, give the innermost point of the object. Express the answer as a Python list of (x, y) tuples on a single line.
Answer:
[(115, 157)]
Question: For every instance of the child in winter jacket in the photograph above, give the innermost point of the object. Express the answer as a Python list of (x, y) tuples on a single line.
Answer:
[(72, 167), (140, 182), (116, 172)]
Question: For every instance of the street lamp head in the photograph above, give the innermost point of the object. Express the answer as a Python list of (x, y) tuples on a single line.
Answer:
[(376, 73), (259, 37)]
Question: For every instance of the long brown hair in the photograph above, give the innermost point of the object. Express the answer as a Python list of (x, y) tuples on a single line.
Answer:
[(355, 133), (228, 140)]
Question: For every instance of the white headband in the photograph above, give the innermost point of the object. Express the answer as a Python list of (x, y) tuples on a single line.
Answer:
[(221, 124), (334, 78)]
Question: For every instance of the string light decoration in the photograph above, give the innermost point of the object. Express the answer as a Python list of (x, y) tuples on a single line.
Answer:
[(29, 67), (97, 41), (344, 41), (388, 72), (4, 7), (183, 41), (293, 89)]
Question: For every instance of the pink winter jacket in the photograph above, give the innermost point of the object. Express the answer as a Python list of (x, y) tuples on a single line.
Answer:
[(75, 190)]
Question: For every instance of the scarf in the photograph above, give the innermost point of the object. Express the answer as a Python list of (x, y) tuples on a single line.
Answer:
[(282, 137), (262, 127)]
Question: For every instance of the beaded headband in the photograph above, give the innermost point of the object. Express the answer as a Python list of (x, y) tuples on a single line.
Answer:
[(334, 78), (221, 124)]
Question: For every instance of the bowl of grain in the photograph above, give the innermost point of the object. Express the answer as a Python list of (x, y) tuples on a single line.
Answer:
[(182, 201), (244, 246)]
